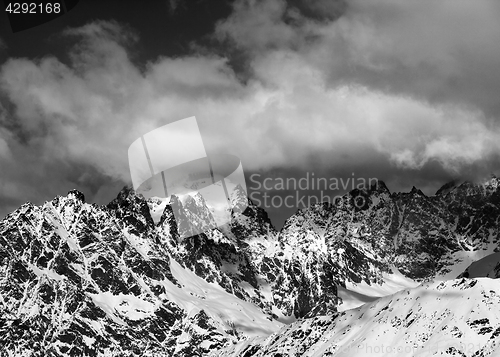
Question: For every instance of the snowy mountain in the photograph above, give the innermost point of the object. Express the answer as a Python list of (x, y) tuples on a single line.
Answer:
[(456, 317), (78, 279)]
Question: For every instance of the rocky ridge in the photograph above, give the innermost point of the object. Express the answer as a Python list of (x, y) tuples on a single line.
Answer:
[(79, 279)]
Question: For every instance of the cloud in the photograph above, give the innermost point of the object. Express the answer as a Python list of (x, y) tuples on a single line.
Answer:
[(4, 149), (424, 48), (258, 25), (436, 78), (173, 5), (65, 125), (384, 88)]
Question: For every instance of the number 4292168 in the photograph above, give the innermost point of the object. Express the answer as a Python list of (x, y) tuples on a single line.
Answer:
[(33, 8)]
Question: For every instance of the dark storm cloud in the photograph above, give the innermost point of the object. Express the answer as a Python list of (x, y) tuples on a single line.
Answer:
[(402, 91)]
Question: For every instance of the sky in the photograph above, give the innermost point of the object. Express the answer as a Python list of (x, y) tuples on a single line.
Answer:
[(405, 92)]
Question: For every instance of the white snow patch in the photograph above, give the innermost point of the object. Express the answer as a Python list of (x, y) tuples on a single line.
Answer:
[(156, 209), (55, 219), (463, 259), (89, 341), (47, 272), (355, 295), (249, 289), (196, 294), (128, 306), (139, 244), (352, 299)]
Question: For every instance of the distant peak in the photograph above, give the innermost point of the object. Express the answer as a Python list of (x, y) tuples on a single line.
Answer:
[(446, 188), (239, 189), (379, 186), (416, 191), (370, 187), (127, 192), (492, 181), (238, 193), (76, 195)]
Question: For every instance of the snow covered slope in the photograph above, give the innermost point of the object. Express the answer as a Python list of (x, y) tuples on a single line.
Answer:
[(354, 295), (457, 318)]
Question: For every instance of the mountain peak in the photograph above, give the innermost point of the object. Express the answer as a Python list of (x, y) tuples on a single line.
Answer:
[(239, 199), (128, 202), (76, 195), (125, 192), (380, 187), (493, 182), (447, 187), (416, 191)]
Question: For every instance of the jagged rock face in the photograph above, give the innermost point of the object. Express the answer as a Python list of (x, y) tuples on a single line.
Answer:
[(79, 279), (424, 321), (422, 236), (476, 211)]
